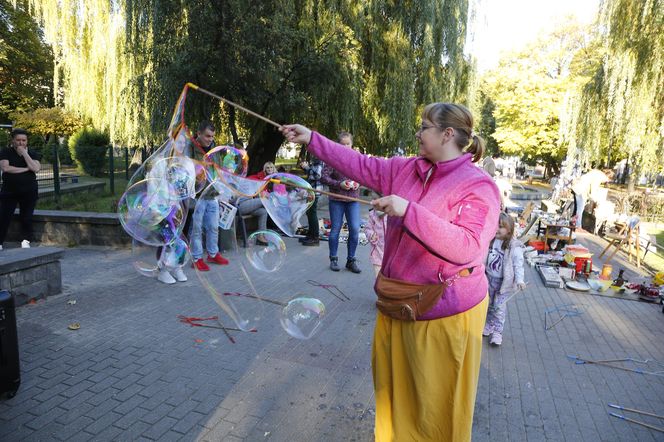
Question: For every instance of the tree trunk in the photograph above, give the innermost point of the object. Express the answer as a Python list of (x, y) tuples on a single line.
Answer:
[(231, 124), (263, 146)]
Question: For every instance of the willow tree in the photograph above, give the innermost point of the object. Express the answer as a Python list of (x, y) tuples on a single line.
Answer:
[(621, 111), (365, 66)]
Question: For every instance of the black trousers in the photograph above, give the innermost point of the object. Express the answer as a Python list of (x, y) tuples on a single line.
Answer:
[(312, 220), (26, 201)]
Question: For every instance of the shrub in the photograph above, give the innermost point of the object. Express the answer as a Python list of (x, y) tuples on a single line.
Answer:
[(89, 148), (47, 151), (65, 154)]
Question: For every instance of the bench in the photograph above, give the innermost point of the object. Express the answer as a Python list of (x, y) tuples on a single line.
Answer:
[(32, 273), (64, 177)]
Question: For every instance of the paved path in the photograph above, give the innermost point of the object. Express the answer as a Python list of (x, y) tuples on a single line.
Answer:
[(133, 372)]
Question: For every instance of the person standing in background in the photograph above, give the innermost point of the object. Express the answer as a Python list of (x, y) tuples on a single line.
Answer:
[(314, 172), (19, 166), (340, 184)]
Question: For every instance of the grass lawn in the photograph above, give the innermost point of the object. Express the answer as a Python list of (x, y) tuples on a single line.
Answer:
[(86, 201), (656, 260)]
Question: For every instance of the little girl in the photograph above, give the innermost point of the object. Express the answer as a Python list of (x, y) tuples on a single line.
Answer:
[(504, 270), (375, 231)]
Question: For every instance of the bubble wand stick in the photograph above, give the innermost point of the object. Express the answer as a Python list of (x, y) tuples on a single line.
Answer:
[(277, 125), (324, 192), (244, 109)]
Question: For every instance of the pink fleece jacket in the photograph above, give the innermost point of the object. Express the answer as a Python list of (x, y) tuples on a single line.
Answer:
[(451, 217)]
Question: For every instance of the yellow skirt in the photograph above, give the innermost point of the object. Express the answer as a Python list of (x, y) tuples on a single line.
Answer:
[(425, 376)]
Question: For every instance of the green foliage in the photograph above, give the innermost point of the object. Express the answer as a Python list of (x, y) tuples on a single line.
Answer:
[(48, 121), (367, 66), (521, 102), (26, 62), (620, 110), (89, 148), (48, 154)]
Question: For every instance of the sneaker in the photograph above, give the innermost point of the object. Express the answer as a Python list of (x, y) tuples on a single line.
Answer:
[(488, 329), (25, 244), (217, 259), (311, 242), (200, 265), (0, 248), (179, 274), (351, 264), (165, 277), (334, 264), (496, 339)]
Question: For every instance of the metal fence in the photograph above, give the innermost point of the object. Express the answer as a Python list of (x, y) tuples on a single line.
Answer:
[(121, 163)]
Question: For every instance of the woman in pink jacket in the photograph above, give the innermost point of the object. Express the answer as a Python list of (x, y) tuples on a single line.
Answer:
[(443, 212)]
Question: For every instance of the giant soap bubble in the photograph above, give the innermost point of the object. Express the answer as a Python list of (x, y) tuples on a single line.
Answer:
[(286, 198), (151, 212)]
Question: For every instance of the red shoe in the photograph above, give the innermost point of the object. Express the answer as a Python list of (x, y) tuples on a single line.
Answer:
[(217, 259), (200, 265)]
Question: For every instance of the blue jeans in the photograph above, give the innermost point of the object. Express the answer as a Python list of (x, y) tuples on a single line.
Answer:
[(206, 217), (352, 211)]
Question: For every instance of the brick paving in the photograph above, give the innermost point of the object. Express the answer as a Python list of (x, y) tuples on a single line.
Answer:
[(133, 372)]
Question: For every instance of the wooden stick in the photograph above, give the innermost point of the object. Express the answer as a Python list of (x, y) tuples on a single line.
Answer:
[(620, 407), (260, 298), (652, 427), (242, 108), (324, 192)]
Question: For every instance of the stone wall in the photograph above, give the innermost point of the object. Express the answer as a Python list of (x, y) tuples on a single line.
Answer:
[(31, 273), (73, 229), (70, 229)]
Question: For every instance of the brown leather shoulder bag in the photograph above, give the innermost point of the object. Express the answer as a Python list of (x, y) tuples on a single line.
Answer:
[(405, 300)]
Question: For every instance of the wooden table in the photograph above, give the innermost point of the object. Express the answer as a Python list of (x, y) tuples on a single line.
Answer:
[(551, 232)]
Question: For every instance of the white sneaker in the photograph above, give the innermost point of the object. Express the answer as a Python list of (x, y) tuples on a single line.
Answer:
[(0, 248), (25, 244), (179, 274), (165, 277)]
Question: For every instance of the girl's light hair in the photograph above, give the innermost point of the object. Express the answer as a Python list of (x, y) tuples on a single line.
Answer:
[(267, 164), (507, 222), (456, 116)]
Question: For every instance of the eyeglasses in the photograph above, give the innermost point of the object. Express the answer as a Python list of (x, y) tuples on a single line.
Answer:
[(424, 127)]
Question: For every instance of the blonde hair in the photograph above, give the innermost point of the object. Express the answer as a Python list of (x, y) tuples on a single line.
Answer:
[(456, 116), (268, 163), (507, 222), (344, 134)]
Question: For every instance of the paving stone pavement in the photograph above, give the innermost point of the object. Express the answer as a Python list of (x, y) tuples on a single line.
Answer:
[(133, 372)]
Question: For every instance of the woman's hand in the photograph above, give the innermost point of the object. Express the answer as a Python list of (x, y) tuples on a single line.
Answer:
[(296, 133), (392, 205), (521, 285), (345, 185)]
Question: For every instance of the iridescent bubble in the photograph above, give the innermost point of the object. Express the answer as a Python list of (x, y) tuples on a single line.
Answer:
[(286, 198), (179, 173), (144, 258), (302, 317), (226, 158), (151, 212), (230, 285), (241, 186), (266, 251), (181, 146), (175, 254)]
